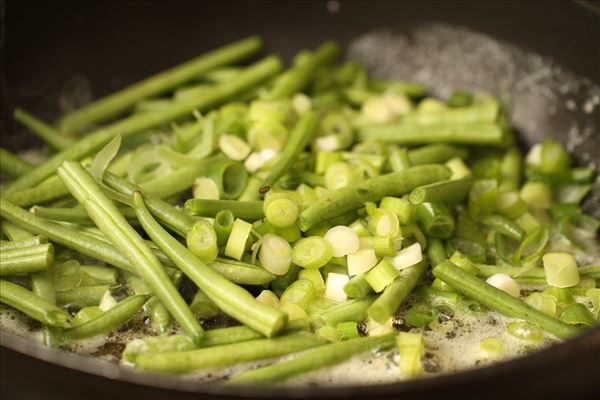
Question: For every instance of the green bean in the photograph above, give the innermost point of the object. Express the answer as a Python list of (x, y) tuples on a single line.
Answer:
[(340, 201), (42, 285), (483, 197), (65, 236), (358, 287), (436, 252), (98, 275), (511, 170), (230, 298), (530, 275), (162, 82), (240, 272), (33, 305), (159, 316), (114, 317), (460, 99), (398, 158), (21, 243), (170, 216), (140, 122), (435, 219), (436, 154), (296, 78), (74, 214), (247, 210), (214, 337), (482, 112), (26, 259), (47, 133), (47, 190), (313, 360), (351, 310), (107, 217), (202, 306), (504, 226), (14, 231), (496, 299), (80, 297), (407, 133), (177, 180), (297, 141), (226, 355), (392, 297), (223, 225), (448, 192), (13, 165)]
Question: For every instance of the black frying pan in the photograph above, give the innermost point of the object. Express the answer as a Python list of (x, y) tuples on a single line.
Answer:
[(46, 44)]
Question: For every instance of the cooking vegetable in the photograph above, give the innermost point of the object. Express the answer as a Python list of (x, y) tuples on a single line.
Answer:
[(308, 209)]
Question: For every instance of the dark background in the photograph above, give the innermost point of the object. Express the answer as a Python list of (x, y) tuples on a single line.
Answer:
[(46, 44)]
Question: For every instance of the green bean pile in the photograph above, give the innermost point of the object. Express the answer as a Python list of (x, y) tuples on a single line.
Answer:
[(328, 212)]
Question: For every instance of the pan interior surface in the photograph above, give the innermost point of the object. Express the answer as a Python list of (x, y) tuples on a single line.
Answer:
[(544, 97)]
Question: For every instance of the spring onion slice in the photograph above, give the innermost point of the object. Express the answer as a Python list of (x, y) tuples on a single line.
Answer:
[(343, 240), (275, 254), (561, 270), (202, 241), (238, 239), (312, 252)]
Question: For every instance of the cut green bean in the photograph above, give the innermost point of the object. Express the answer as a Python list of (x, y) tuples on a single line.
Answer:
[(47, 133), (340, 201), (226, 355), (107, 217), (447, 192), (26, 259), (255, 74), (159, 316), (124, 99), (74, 214), (435, 154), (65, 236), (49, 189), (472, 133), (80, 297), (298, 140), (241, 273), (435, 219), (170, 216), (500, 301), (21, 243), (351, 310), (114, 317), (230, 298), (393, 296), (42, 285), (98, 275), (313, 360), (298, 76), (504, 226), (436, 252), (178, 180), (33, 305), (13, 165), (358, 287), (247, 210)]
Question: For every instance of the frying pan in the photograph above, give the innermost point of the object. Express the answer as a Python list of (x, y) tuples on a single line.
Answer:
[(53, 48)]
